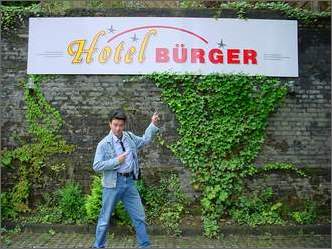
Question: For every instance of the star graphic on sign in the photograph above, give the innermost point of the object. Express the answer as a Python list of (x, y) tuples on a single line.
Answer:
[(221, 44), (111, 29), (134, 38)]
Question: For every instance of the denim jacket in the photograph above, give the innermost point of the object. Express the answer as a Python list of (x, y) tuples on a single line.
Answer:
[(105, 160)]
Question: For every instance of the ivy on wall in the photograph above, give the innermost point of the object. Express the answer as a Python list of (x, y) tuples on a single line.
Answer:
[(222, 120), (304, 15), (30, 159), (13, 17)]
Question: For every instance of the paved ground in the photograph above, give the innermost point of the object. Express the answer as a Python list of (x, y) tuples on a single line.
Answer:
[(52, 239)]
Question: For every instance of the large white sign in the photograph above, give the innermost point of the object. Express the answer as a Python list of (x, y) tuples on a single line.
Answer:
[(142, 45)]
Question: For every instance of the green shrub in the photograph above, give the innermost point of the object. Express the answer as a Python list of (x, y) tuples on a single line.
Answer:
[(94, 200), (121, 214), (71, 202), (170, 218), (256, 209), (66, 206), (93, 204), (165, 203), (7, 210), (45, 215), (306, 216), (153, 198)]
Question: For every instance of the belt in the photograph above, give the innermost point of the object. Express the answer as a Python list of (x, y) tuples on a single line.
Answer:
[(127, 174)]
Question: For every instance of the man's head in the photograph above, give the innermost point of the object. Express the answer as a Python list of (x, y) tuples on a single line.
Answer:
[(117, 121)]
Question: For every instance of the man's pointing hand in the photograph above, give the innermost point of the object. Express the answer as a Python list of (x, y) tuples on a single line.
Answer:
[(122, 157), (155, 118)]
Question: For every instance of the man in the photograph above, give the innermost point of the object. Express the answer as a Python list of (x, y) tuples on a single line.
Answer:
[(116, 158)]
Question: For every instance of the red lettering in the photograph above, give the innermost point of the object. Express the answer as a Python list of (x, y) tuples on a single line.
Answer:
[(197, 53), (162, 55), (249, 55), (216, 56), (176, 54), (233, 56), (180, 54)]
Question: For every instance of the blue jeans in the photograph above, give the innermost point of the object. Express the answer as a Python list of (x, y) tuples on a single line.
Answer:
[(125, 191)]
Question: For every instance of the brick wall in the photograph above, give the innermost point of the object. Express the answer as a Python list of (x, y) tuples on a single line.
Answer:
[(299, 131)]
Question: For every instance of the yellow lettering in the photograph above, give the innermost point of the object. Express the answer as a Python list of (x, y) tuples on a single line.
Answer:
[(77, 54), (141, 54), (81, 44), (105, 54), (129, 55), (117, 54), (78, 48)]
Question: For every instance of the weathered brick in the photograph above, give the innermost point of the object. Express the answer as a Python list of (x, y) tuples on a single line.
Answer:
[(299, 131)]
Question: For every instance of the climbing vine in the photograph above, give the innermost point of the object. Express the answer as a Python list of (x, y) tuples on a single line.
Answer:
[(304, 15), (222, 120), (29, 159), (13, 16)]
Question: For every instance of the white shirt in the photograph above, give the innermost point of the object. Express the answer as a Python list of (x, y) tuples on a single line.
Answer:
[(127, 164)]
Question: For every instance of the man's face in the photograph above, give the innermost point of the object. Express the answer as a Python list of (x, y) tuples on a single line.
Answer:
[(117, 126)]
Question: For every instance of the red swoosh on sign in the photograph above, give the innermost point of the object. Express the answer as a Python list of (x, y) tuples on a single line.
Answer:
[(160, 26)]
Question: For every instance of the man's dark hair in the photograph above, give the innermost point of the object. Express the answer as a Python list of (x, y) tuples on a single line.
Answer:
[(118, 114)]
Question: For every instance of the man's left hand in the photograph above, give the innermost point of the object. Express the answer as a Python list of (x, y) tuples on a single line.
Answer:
[(155, 118)]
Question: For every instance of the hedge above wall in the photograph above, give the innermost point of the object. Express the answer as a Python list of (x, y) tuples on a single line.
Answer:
[(13, 16)]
